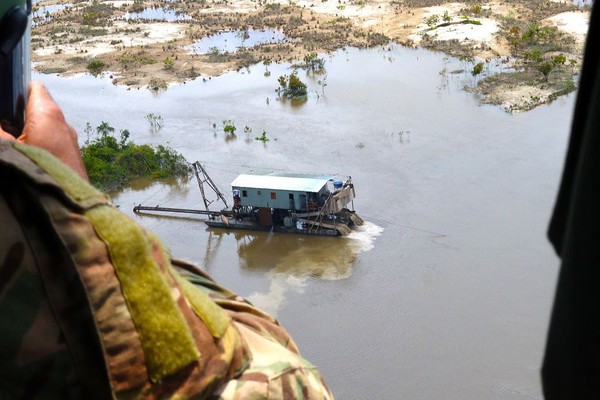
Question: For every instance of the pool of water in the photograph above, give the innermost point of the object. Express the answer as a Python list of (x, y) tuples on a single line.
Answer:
[(43, 14), (583, 3), (446, 291), (232, 41), (158, 14)]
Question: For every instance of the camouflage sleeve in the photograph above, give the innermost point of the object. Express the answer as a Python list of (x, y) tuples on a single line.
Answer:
[(276, 370), (85, 313), (37, 360)]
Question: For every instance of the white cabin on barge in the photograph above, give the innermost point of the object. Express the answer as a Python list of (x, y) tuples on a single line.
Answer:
[(292, 202)]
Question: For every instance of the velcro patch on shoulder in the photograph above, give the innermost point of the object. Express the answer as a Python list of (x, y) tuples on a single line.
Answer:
[(166, 338)]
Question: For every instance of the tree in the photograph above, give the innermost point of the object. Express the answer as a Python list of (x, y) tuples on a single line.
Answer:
[(322, 83), (466, 59), (104, 129), (545, 68), (111, 163), (477, 69), (446, 17), (432, 20), (266, 63), (155, 120), (291, 86), (313, 63)]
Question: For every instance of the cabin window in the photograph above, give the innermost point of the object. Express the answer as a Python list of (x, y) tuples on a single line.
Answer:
[(259, 192), (244, 193), (291, 196), (273, 196)]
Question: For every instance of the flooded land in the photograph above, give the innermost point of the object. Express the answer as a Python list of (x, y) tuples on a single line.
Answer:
[(151, 44), (445, 292)]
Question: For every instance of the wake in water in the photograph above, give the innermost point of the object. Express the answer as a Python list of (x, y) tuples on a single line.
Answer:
[(323, 262)]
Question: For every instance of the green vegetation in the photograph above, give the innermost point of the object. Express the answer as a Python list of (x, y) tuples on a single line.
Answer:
[(545, 68), (97, 14), (95, 67), (322, 83), (312, 63), (88, 31), (477, 69), (229, 127), (112, 163), (263, 138), (215, 55), (291, 87), (137, 6), (540, 63), (432, 20), (157, 84), (524, 39), (475, 9), (168, 64), (131, 60), (155, 120)]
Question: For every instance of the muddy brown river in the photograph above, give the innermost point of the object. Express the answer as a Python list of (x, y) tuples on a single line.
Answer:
[(445, 292)]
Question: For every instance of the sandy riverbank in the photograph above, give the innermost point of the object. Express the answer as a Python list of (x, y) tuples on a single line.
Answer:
[(85, 36)]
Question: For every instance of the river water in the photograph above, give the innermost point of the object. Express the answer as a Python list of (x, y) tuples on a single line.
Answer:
[(446, 291)]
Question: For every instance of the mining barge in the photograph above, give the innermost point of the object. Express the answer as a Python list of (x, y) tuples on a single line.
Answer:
[(313, 204)]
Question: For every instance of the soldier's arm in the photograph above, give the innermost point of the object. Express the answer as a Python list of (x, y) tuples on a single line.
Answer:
[(46, 127)]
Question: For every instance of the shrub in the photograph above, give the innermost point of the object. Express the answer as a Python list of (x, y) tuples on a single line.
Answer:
[(157, 84), (263, 138), (545, 68), (112, 163), (95, 67), (229, 127), (559, 59), (291, 86), (168, 64), (477, 69)]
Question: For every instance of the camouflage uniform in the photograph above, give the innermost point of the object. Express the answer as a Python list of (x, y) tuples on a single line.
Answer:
[(92, 306)]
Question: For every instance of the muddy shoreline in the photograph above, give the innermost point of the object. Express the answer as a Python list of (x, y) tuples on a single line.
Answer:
[(154, 50)]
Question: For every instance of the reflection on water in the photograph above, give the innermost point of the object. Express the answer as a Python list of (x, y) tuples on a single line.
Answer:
[(43, 14), (158, 14), (232, 41), (583, 3), (328, 258), (290, 260), (174, 185)]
